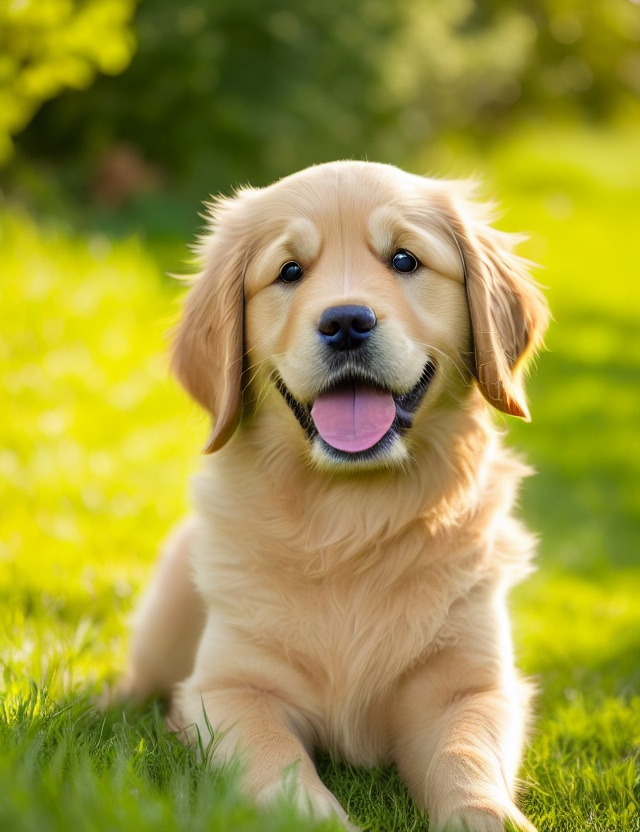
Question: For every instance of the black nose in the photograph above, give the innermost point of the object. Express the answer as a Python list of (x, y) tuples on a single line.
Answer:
[(346, 327)]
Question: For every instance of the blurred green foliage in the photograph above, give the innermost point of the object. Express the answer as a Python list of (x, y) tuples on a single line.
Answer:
[(221, 92), (47, 46)]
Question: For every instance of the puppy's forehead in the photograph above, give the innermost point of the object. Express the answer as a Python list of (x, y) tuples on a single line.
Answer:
[(360, 202), (343, 193), (302, 237)]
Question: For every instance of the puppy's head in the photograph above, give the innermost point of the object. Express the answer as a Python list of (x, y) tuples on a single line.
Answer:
[(351, 300)]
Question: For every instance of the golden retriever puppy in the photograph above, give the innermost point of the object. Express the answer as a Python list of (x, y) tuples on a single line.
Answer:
[(342, 584)]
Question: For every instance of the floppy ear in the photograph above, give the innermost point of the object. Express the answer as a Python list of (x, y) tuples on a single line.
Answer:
[(208, 344), (508, 312)]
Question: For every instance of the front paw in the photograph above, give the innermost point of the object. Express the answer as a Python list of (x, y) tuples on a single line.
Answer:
[(118, 694), (130, 689), (312, 800), (485, 818)]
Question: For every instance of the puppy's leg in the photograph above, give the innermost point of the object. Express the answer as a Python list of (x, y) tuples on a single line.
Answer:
[(268, 737), (167, 625), (458, 733)]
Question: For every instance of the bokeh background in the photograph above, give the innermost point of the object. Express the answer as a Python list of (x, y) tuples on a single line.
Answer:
[(117, 119), (118, 102)]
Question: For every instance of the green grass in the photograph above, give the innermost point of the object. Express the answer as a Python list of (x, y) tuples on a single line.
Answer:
[(97, 445)]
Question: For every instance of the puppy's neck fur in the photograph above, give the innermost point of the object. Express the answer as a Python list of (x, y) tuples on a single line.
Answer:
[(321, 522)]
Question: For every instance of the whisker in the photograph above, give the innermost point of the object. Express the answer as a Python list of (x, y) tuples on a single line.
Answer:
[(263, 390), (259, 396), (463, 374)]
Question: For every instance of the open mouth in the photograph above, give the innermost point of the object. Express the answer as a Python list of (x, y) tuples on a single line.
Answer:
[(355, 419)]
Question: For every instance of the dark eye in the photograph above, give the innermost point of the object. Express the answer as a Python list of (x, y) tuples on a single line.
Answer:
[(291, 272), (403, 261)]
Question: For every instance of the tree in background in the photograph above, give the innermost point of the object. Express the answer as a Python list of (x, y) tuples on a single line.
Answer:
[(224, 91), (587, 58), (49, 45)]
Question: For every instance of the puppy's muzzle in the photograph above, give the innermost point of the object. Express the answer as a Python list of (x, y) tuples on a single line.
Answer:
[(356, 415), (346, 327)]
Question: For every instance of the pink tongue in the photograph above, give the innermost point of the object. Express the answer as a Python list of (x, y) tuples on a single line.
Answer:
[(353, 419)]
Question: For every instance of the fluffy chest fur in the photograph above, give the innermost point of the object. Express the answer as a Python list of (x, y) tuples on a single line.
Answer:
[(347, 596)]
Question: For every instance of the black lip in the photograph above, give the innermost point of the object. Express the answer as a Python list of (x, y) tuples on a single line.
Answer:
[(406, 405)]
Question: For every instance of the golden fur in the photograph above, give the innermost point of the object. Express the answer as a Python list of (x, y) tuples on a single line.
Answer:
[(353, 603)]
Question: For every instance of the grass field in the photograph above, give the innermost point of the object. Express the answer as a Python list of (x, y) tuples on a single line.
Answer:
[(96, 445)]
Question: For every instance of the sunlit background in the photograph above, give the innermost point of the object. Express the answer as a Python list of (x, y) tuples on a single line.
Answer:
[(117, 119)]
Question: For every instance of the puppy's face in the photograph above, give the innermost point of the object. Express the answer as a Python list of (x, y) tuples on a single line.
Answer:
[(357, 298), (356, 312)]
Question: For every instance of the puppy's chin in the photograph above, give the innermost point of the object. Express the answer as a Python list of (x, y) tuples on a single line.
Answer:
[(390, 452)]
